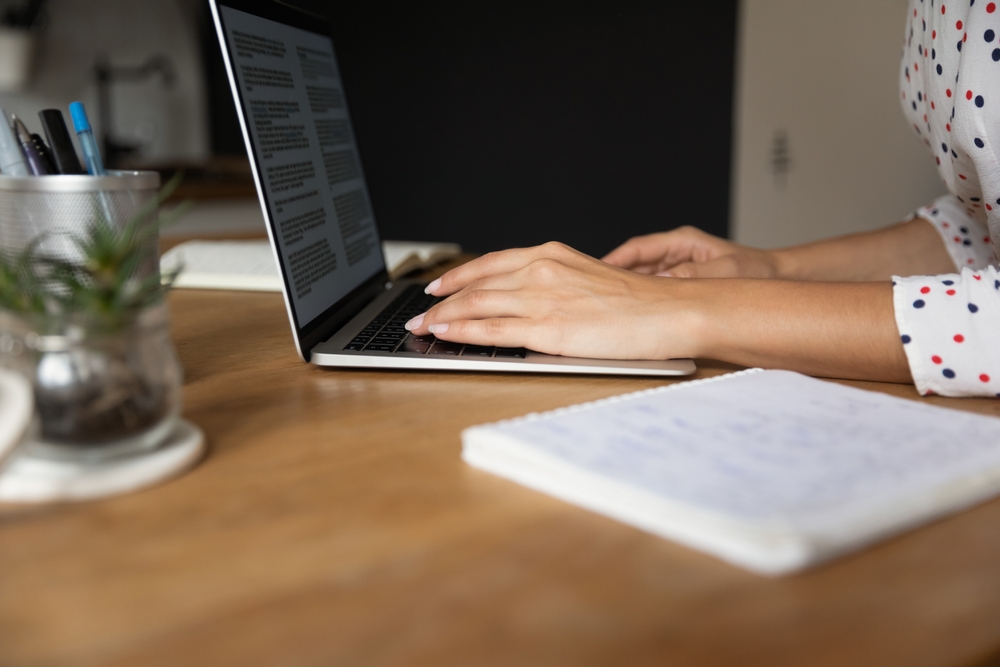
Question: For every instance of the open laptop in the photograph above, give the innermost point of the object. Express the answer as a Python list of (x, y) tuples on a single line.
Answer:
[(343, 309)]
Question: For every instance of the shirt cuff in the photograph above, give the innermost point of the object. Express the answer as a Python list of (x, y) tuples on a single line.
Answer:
[(949, 325), (966, 239)]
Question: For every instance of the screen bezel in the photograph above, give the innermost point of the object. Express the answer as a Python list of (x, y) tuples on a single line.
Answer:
[(337, 315)]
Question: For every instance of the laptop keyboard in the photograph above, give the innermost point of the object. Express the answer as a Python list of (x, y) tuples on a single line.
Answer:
[(385, 333)]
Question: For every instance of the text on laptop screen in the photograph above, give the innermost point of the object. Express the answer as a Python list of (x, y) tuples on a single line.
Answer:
[(307, 160)]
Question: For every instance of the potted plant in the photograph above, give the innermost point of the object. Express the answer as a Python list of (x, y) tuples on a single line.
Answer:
[(92, 334)]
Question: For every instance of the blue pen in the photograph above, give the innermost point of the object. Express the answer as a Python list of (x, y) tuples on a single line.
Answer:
[(91, 154), (11, 158)]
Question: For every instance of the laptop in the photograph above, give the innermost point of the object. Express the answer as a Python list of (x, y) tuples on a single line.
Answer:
[(342, 306)]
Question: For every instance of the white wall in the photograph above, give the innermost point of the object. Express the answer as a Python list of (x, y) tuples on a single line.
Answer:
[(173, 121), (826, 74)]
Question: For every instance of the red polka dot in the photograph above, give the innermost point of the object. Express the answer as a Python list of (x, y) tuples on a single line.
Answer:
[(958, 239), (943, 8), (916, 67), (958, 26), (946, 225), (971, 261), (990, 8), (965, 37), (950, 292), (959, 338), (988, 208), (932, 106), (948, 93), (938, 160), (978, 277), (986, 239), (962, 176), (933, 34), (948, 125), (968, 94), (936, 359), (925, 290), (914, 13), (984, 378)]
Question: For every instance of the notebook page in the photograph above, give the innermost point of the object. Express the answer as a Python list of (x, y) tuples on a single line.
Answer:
[(767, 446)]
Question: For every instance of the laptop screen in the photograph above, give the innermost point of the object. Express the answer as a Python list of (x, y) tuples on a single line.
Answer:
[(307, 163)]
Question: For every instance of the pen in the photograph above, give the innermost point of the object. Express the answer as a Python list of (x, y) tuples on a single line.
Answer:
[(45, 153), (11, 158), (91, 154), (35, 163), (63, 153)]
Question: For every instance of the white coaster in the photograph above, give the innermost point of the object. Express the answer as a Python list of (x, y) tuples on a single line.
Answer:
[(30, 479)]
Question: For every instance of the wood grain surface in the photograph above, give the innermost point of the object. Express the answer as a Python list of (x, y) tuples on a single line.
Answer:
[(333, 523)]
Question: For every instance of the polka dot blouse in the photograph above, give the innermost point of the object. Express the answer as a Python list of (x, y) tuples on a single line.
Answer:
[(950, 81)]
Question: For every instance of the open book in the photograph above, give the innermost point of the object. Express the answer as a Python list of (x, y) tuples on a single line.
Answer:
[(770, 470), (249, 265)]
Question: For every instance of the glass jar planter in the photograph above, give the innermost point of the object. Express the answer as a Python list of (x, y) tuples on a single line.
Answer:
[(100, 393)]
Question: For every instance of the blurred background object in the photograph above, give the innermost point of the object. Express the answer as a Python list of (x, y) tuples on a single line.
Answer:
[(821, 145), (19, 26)]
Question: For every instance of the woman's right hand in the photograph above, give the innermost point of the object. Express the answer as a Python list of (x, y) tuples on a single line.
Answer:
[(688, 252)]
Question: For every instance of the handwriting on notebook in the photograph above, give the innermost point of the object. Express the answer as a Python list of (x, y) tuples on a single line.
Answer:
[(766, 446)]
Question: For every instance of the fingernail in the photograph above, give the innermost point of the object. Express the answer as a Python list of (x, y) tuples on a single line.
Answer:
[(665, 274), (415, 322), (437, 328), (432, 287)]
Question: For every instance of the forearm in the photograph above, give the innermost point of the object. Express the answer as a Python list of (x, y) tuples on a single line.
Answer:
[(844, 330), (906, 249)]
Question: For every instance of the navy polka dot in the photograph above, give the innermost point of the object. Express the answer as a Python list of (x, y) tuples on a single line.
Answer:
[(919, 303), (973, 308), (966, 242), (944, 147), (914, 105), (996, 55), (964, 230), (940, 70), (980, 101), (947, 282), (948, 373), (989, 36), (906, 340), (996, 284)]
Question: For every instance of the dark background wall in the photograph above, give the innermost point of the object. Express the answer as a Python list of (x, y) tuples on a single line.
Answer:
[(500, 124)]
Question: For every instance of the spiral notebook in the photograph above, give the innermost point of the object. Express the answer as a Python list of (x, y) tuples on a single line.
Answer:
[(769, 470)]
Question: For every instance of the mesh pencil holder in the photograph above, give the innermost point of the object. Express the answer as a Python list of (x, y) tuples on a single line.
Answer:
[(57, 209)]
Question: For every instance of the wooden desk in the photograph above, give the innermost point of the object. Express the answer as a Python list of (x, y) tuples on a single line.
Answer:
[(333, 523)]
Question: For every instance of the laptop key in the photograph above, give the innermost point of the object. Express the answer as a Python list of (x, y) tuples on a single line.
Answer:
[(378, 347), (414, 347), (356, 347), (478, 351), (444, 348), (511, 352)]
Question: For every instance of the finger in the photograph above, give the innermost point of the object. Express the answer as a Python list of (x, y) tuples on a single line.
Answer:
[(501, 332), (473, 305), (495, 263), (668, 248)]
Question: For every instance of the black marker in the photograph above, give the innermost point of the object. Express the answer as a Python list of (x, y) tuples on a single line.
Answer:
[(63, 152)]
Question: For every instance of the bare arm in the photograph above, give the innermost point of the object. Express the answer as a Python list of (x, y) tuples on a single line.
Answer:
[(909, 248)]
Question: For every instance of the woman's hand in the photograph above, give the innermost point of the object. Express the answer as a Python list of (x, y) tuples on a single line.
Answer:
[(688, 252), (557, 300)]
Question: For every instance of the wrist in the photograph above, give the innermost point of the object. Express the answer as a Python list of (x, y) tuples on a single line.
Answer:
[(784, 264)]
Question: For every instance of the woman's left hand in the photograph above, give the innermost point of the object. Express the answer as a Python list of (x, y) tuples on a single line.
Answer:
[(557, 300)]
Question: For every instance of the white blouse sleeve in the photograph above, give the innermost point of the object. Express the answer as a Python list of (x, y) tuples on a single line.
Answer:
[(950, 81)]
